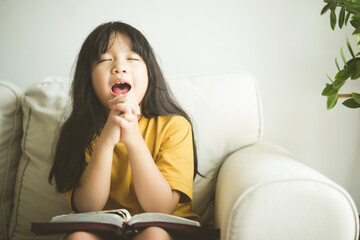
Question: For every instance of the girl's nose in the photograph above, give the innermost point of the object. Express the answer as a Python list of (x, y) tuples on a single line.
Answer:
[(118, 68)]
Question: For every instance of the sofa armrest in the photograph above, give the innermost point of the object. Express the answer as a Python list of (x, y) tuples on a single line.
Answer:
[(263, 192), (10, 149)]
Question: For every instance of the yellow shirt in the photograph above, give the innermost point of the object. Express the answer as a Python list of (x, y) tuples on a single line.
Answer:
[(169, 140)]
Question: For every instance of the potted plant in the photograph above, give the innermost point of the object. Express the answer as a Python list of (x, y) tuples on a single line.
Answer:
[(347, 10)]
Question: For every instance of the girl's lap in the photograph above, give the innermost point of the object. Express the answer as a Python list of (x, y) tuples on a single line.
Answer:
[(153, 233), (88, 236), (148, 233)]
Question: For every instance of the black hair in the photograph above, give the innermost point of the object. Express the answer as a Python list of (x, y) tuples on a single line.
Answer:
[(85, 122)]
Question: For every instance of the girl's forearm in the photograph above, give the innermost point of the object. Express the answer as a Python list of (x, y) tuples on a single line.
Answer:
[(93, 189), (152, 190)]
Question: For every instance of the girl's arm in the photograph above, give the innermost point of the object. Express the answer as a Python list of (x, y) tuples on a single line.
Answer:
[(93, 188), (152, 189)]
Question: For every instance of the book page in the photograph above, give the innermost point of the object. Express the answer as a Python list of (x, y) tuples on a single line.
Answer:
[(161, 217), (116, 217)]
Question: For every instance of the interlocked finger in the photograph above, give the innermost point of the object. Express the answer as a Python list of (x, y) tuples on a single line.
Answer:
[(122, 108)]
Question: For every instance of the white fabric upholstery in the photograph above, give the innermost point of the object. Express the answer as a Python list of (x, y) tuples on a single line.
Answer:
[(35, 200), (263, 192), (10, 132), (226, 114)]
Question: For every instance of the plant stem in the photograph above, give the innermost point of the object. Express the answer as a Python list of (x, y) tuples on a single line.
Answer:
[(346, 95)]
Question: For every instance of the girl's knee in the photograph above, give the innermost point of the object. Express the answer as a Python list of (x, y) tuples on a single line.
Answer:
[(82, 236), (153, 233)]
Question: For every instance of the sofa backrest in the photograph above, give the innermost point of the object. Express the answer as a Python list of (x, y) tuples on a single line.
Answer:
[(226, 114), (225, 110), (35, 200)]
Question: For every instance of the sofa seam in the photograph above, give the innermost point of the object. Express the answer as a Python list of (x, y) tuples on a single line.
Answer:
[(260, 185), (259, 109)]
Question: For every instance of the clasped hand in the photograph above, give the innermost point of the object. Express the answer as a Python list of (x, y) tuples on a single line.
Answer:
[(122, 123)]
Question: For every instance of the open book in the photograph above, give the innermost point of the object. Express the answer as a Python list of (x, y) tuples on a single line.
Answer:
[(120, 223)]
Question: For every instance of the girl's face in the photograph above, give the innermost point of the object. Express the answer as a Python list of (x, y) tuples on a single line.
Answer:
[(119, 71)]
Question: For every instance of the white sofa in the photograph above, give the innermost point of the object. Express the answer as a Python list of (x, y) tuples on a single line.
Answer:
[(252, 190)]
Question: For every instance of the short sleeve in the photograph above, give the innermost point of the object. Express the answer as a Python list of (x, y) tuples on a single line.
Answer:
[(175, 159)]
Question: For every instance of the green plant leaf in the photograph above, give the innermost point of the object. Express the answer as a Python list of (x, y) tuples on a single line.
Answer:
[(358, 40), (342, 56), (354, 6), (351, 64), (356, 75), (356, 1), (333, 5), (329, 90), (337, 64), (355, 70), (333, 20), (331, 101), (351, 103), (342, 17), (353, 60), (352, 69), (351, 10), (349, 47), (357, 31), (356, 97), (341, 77), (324, 10), (339, 82), (347, 18), (355, 23), (356, 16), (329, 78)]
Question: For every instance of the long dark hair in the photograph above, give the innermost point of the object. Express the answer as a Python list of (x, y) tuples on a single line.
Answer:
[(88, 115)]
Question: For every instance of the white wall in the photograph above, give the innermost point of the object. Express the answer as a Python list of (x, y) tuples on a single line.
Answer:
[(286, 44)]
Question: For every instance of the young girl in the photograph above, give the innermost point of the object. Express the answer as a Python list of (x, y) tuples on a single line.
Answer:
[(126, 144)]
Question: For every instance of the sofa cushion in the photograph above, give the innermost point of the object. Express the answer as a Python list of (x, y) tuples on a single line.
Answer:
[(35, 199), (226, 114), (10, 149)]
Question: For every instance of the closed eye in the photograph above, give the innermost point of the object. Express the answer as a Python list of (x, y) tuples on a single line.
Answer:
[(104, 60), (135, 59)]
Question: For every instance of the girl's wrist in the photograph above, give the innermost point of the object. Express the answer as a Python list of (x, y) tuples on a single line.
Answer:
[(134, 143), (105, 142)]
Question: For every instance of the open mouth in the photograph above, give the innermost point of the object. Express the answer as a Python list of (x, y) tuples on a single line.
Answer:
[(120, 88)]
